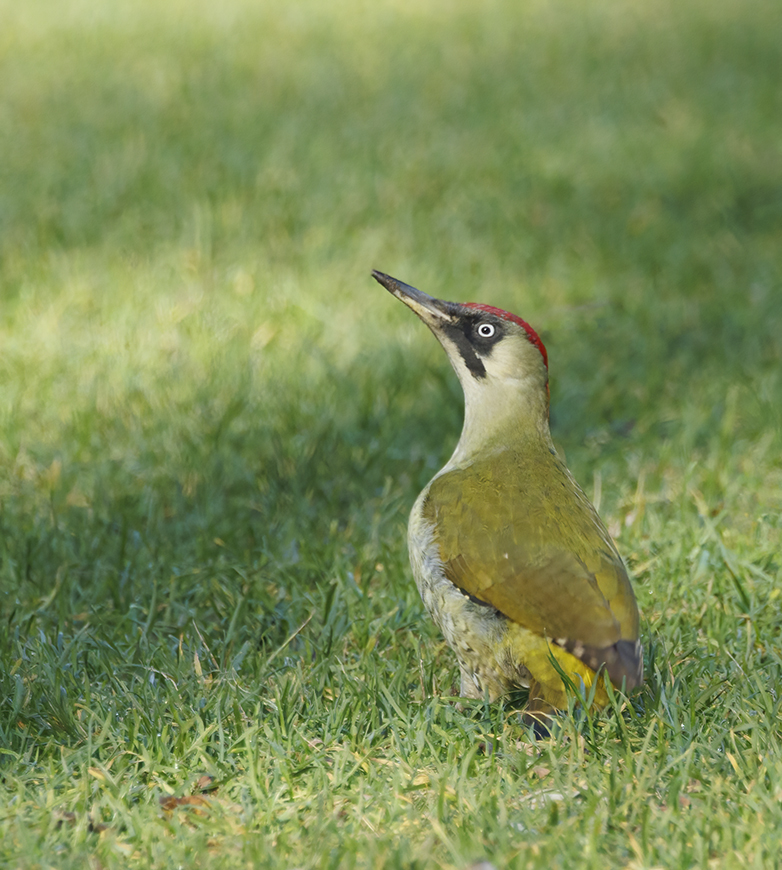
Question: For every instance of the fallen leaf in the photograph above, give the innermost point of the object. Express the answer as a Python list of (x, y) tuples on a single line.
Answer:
[(195, 801)]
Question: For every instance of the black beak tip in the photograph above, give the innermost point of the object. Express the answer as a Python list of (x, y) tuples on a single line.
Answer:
[(382, 278), (415, 299)]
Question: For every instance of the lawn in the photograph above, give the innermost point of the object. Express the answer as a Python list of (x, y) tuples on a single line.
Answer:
[(213, 423)]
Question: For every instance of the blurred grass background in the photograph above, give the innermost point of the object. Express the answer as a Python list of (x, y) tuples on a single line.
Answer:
[(213, 423)]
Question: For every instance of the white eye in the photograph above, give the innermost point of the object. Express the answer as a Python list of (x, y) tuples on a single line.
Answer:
[(486, 330)]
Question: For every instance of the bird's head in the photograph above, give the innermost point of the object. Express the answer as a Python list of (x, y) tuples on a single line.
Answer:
[(499, 358)]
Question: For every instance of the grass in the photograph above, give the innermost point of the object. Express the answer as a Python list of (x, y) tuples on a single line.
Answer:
[(213, 423)]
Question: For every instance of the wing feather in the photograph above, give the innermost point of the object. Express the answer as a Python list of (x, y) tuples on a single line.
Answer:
[(540, 555)]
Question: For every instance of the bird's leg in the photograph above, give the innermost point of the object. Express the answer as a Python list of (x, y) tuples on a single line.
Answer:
[(539, 713)]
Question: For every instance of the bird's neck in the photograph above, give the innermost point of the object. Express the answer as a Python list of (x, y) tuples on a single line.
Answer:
[(499, 417)]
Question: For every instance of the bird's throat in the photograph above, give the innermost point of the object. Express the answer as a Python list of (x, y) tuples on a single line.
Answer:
[(493, 424)]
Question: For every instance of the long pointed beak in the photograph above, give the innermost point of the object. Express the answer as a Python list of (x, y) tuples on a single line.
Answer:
[(432, 311)]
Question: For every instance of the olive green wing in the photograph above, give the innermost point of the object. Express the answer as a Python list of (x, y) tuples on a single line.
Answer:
[(541, 556)]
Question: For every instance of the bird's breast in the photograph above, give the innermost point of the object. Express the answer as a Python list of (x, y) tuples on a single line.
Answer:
[(473, 629)]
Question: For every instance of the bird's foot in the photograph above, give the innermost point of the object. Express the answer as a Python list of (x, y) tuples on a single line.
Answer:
[(539, 714)]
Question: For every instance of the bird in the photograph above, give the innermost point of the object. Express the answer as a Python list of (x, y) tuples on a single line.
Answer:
[(510, 557)]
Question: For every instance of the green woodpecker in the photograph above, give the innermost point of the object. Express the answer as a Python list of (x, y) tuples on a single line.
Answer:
[(510, 557)]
